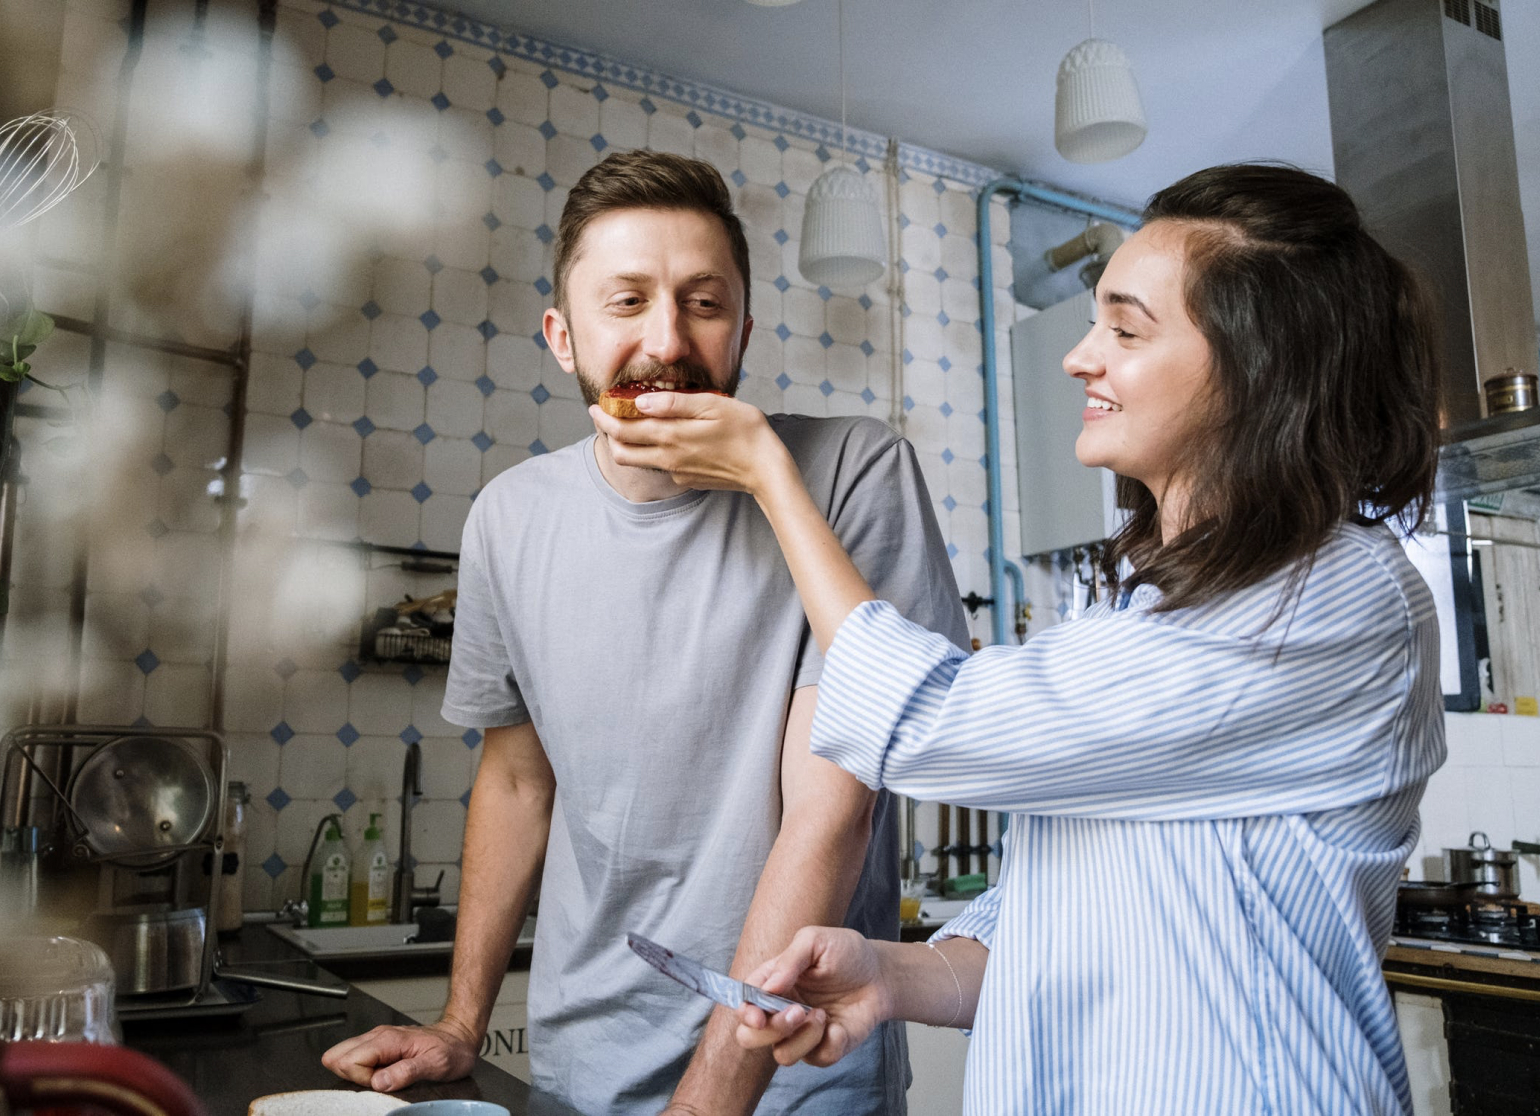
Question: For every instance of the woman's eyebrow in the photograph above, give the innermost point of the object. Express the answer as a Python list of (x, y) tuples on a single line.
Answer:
[(1122, 298)]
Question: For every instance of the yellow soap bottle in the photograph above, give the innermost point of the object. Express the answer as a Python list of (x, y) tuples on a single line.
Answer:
[(369, 895)]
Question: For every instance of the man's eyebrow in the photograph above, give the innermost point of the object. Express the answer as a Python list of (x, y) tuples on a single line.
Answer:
[(641, 279), (1122, 298)]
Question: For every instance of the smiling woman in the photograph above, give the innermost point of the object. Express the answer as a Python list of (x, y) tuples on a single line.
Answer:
[(1261, 374)]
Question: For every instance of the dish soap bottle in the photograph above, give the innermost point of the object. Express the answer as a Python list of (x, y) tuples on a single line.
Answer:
[(369, 898), (329, 881)]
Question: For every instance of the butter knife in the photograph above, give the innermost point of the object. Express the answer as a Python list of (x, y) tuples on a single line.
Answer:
[(709, 983)]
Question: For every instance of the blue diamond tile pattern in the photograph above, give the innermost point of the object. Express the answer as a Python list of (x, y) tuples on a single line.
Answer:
[(825, 340), (539, 339), (370, 310), (162, 464), (951, 550), (823, 153), (601, 94), (546, 182), (300, 417), (362, 426), (420, 492), (482, 441), (946, 365), (495, 115), (304, 358), (168, 401), (433, 264), (423, 433), (492, 222), (361, 486), (738, 132), (940, 229), (540, 394), (485, 385), (537, 447), (946, 410), (281, 732), (387, 36), (949, 504), (943, 319), (647, 106), (866, 347), (384, 88), (439, 101), (941, 275), (865, 301), (549, 79), (548, 130), (285, 668), (781, 144), (739, 179), (278, 798), (948, 456), (413, 674), (429, 319), (465, 799), (499, 67), (781, 236), (494, 168), (410, 735), (694, 118), (782, 332), (470, 738), (782, 189), (443, 49), (782, 283), (350, 671), (367, 368), (867, 396), (344, 799), (274, 864), (908, 357), (328, 19), (489, 275), (545, 234), (543, 285), (783, 381), (903, 221), (827, 388), (487, 329), (825, 293), (320, 128), (908, 403), (348, 735), (598, 142), (426, 376), (938, 186)]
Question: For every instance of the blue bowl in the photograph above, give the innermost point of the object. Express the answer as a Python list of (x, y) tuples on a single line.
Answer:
[(452, 1108)]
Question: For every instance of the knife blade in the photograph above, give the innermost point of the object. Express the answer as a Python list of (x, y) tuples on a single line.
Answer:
[(709, 983)]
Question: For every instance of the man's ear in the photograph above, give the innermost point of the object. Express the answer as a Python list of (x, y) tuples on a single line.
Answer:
[(559, 338)]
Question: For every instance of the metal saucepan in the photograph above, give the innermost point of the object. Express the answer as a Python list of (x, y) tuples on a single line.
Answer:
[(1491, 873), (152, 948)]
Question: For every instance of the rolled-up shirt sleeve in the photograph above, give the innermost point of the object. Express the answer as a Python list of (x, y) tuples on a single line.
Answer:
[(1128, 714)]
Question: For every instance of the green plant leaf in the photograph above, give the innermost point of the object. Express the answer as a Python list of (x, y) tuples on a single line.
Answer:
[(34, 328), (13, 373)]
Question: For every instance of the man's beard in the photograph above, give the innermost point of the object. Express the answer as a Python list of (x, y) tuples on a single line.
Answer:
[(685, 373)]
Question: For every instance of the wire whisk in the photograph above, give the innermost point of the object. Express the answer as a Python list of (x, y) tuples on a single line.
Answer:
[(40, 166)]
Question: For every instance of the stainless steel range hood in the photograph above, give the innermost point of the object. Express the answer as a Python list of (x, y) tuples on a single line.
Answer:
[(1422, 132)]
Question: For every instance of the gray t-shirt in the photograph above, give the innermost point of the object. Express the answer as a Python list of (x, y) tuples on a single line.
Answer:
[(656, 646)]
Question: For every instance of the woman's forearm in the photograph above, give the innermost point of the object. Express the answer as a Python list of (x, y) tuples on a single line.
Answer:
[(827, 580), (935, 984)]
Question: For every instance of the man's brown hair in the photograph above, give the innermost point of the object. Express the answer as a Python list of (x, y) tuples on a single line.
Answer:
[(646, 180)]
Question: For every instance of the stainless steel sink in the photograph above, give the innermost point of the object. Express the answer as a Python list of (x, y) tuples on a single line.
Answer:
[(366, 943)]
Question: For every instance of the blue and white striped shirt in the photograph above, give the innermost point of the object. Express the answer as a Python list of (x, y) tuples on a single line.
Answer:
[(1209, 814)]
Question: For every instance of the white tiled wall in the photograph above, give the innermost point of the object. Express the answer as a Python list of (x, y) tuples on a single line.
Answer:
[(401, 263), (1491, 782)]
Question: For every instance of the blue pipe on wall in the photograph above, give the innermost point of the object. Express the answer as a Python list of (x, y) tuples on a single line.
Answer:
[(999, 567)]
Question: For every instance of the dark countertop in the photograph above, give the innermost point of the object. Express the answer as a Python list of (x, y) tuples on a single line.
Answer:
[(276, 1046)]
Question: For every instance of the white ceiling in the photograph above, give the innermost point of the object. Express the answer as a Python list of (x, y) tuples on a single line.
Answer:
[(1222, 80)]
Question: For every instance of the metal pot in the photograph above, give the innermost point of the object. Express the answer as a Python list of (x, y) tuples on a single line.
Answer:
[(1493, 873), (152, 949)]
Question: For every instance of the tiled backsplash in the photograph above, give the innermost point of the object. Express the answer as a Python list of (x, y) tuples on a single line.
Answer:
[(402, 261), (1491, 782)]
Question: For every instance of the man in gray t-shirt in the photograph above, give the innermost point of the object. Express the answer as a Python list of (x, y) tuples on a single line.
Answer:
[(639, 660)]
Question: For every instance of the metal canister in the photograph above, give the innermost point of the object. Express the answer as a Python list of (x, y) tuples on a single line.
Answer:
[(1512, 391)]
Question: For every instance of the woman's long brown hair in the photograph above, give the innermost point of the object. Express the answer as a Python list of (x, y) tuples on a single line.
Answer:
[(1324, 377)]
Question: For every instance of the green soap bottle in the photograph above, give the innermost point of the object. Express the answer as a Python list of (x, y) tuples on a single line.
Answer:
[(369, 896), (329, 881)]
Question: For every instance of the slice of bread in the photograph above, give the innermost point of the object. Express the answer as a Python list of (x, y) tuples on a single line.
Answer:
[(621, 402), (325, 1102)]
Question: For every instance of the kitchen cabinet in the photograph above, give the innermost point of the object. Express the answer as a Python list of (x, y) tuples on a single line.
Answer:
[(937, 1056)]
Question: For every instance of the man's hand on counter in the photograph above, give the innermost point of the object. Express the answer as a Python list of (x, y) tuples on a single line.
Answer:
[(390, 1058)]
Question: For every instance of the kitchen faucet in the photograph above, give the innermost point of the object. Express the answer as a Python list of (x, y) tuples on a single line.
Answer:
[(408, 896)]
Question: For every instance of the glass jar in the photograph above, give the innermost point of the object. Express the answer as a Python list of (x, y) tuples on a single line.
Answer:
[(55, 990)]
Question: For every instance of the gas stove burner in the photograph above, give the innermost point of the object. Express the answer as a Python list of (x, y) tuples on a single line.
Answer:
[(1441, 912)]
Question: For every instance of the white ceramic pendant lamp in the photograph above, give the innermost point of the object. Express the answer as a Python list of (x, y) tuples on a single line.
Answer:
[(842, 242), (1098, 114)]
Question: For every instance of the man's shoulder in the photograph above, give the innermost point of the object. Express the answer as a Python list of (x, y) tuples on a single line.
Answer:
[(837, 443), (543, 476)]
